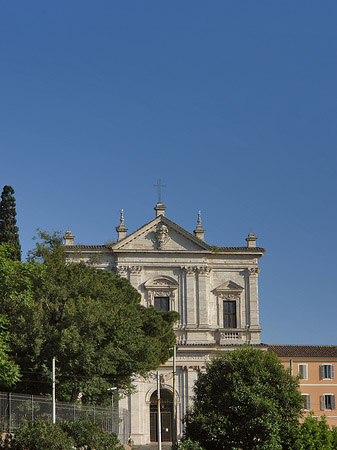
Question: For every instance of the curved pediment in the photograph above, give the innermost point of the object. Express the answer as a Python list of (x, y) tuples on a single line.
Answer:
[(162, 281)]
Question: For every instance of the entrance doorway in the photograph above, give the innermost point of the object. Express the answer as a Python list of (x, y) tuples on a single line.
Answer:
[(166, 408)]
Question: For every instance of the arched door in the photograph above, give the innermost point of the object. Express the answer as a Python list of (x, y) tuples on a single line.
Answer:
[(166, 409)]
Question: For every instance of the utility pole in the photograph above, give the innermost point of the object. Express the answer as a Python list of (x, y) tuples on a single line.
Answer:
[(159, 414), (174, 437), (53, 392)]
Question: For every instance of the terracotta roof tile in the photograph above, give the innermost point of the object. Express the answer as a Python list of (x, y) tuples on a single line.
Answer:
[(77, 246), (304, 350)]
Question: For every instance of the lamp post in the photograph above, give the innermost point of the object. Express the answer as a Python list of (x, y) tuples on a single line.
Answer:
[(53, 392), (174, 375), (112, 389), (159, 411)]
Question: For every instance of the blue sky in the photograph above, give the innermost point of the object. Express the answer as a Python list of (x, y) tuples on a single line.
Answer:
[(232, 104)]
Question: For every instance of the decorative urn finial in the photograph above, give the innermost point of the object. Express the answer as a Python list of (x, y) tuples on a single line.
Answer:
[(68, 238), (251, 240), (199, 231), (121, 229)]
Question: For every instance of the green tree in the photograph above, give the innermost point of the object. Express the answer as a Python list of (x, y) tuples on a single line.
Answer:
[(9, 371), (9, 232), (16, 291), (314, 434), (92, 322), (334, 438), (245, 400)]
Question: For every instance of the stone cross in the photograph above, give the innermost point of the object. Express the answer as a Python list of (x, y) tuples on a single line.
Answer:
[(159, 186)]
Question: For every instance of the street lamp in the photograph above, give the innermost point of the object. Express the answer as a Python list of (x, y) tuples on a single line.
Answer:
[(112, 389)]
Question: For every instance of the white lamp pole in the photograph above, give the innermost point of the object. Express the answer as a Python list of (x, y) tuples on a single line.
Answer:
[(112, 389), (159, 411), (53, 392)]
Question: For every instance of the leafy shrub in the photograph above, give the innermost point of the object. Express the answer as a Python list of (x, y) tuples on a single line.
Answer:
[(188, 445), (44, 435), (41, 435), (315, 434), (90, 436), (334, 438)]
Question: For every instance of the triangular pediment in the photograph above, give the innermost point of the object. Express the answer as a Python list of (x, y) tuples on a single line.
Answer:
[(229, 286), (161, 234)]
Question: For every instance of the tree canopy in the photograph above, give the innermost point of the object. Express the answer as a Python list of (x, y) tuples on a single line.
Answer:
[(315, 434), (92, 322), (245, 400), (9, 232), (16, 290)]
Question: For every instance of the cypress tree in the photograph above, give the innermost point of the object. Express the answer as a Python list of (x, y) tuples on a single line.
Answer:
[(9, 232)]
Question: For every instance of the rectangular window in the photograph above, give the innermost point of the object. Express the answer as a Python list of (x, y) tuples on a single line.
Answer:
[(328, 402), (327, 371), (162, 303), (229, 314), (303, 371), (306, 402)]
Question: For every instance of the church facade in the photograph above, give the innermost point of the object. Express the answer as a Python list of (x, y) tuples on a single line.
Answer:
[(214, 290)]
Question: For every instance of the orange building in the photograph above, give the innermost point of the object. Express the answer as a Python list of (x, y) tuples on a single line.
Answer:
[(316, 365)]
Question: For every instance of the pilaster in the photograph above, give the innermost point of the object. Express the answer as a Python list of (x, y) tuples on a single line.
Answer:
[(254, 324), (122, 271), (135, 274), (190, 296), (203, 296)]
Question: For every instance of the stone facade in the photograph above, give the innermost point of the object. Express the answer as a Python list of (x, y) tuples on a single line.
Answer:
[(214, 289)]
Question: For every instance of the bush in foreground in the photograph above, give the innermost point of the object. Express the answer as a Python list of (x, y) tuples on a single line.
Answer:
[(44, 435), (90, 436)]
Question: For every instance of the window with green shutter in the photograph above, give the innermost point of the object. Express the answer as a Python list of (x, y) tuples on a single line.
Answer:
[(306, 402), (327, 371), (303, 371), (328, 402)]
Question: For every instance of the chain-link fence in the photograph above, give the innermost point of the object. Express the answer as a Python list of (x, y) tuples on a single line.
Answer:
[(15, 408)]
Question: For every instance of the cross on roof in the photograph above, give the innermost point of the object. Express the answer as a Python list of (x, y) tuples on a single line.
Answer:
[(159, 186)]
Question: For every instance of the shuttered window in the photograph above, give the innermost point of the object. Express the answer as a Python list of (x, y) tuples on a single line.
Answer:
[(327, 371), (306, 401), (303, 371), (229, 314), (328, 402)]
